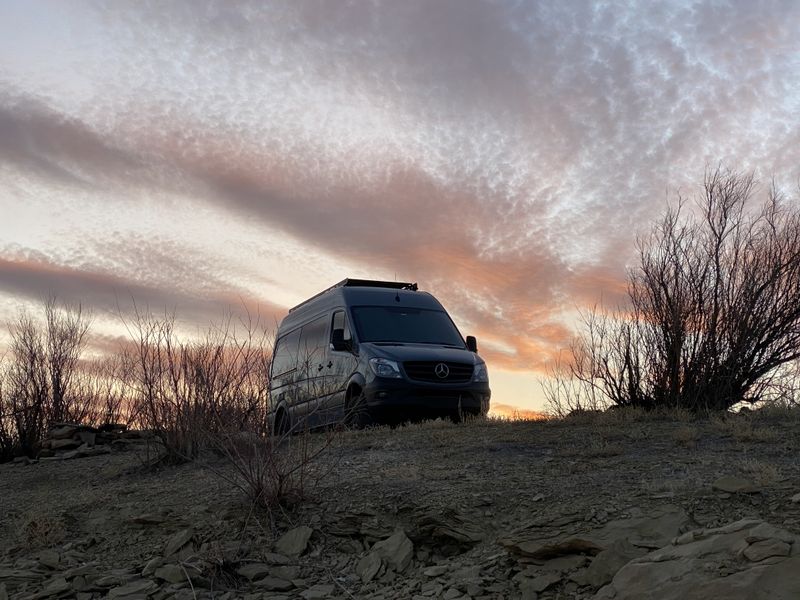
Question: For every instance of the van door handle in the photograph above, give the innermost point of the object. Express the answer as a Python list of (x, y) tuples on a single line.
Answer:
[(320, 367), (330, 364)]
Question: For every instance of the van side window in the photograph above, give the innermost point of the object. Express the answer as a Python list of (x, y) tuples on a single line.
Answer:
[(313, 340), (285, 358), (340, 322)]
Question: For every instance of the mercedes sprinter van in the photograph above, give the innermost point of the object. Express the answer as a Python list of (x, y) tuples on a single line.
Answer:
[(364, 352)]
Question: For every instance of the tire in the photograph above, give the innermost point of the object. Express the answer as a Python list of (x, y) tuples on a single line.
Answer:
[(356, 411), (282, 427)]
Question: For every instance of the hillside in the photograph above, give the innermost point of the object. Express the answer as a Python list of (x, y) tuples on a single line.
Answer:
[(488, 509)]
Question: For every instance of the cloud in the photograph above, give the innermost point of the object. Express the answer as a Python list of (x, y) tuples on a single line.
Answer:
[(36, 278), (502, 154), (38, 140)]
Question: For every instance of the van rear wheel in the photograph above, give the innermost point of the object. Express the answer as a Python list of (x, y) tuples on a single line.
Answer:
[(281, 427)]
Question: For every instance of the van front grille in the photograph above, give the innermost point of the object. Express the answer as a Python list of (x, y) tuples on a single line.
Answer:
[(427, 371)]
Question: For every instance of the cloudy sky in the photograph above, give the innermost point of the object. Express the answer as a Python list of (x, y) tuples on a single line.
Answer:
[(199, 155)]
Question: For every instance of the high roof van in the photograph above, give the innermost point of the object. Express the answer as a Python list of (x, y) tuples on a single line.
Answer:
[(364, 352)]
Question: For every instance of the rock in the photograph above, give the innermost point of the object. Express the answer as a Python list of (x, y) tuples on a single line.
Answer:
[(452, 593), (563, 564), (446, 530), (735, 485), (715, 564), (272, 558), (652, 529), (63, 431), (288, 573), (318, 592), (606, 564), (538, 584), (760, 550), (253, 571), (178, 541), (45, 453), (537, 550), (151, 566), (397, 550), (136, 589), (170, 573), (49, 559), (85, 451), (294, 541), (796, 498), (148, 519), (67, 444), (274, 584), (368, 567), (436, 571), (55, 587), (79, 583), (88, 437)]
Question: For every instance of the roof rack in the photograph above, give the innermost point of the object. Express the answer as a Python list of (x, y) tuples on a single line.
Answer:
[(395, 285)]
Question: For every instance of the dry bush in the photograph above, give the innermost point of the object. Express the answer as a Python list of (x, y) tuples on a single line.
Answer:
[(714, 311), (102, 386), (687, 436), (760, 472), (185, 391), (38, 386), (742, 428), (273, 472), (38, 530)]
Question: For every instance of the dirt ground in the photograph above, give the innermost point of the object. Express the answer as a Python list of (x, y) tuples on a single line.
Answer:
[(434, 510)]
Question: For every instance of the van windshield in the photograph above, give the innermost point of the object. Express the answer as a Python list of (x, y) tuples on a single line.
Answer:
[(395, 324)]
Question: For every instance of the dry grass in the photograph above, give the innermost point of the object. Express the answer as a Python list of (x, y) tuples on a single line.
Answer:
[(687, 436), (742, 428), (596, 446), (37, 530), (761, 473)]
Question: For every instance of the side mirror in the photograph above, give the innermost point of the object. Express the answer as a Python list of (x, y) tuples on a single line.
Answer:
[(472, 343), (338, 342)]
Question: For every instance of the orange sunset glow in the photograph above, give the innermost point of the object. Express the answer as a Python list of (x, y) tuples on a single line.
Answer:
[(206, 157)]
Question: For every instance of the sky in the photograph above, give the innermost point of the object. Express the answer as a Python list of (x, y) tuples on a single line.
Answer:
[(196, 155)]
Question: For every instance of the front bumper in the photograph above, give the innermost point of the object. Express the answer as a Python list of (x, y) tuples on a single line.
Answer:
[(400, 399)]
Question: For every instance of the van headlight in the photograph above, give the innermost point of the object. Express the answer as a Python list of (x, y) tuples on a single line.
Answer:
[(383, 367), (480, 374)]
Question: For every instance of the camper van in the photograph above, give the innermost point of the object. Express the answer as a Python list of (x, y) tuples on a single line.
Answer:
[(364, 352)]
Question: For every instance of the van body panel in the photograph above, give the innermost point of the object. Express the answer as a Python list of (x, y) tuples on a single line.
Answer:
[(314, 392)]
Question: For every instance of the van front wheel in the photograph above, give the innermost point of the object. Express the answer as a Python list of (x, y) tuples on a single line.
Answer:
[(356, 412)]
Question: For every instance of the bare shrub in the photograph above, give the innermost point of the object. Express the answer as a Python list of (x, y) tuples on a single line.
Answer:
[(687, 436), (760, 472), (273, 471), (742, 428), (8, 437), (714, 314), (185, 390), (65, 340), (102, 387), (37, 530), (38, 383)]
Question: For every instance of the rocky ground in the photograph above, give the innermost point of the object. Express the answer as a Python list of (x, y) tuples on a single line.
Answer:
[(623, 505)]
